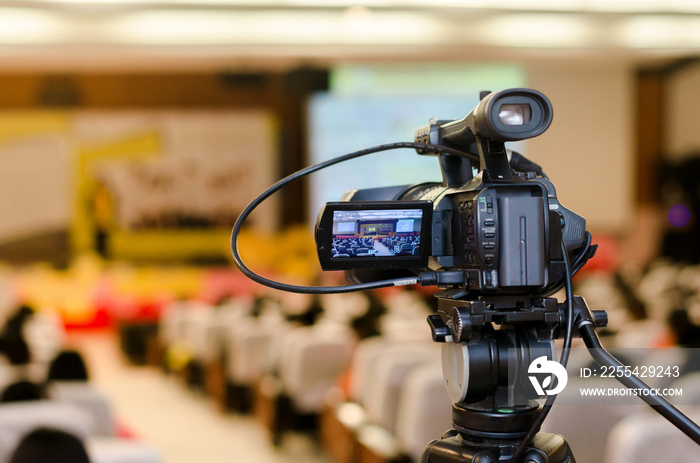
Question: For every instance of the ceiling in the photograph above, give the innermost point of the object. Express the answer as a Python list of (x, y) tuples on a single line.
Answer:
[(179, 34)]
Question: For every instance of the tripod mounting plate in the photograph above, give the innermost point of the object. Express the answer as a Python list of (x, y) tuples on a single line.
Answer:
[(544, 448), (500, 425)]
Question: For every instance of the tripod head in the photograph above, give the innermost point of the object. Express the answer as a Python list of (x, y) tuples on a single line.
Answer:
[(485, 372)]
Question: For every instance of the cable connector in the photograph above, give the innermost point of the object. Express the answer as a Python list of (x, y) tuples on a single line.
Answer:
[(442, 278)]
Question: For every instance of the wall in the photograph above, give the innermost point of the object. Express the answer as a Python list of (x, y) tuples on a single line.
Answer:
[(682, 125), (36, 192), (35, 173), (588, 151)]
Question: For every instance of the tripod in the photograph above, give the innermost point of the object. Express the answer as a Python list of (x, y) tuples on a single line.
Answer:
[(486, 372)]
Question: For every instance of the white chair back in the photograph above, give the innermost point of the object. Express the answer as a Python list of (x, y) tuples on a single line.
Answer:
[(86, 396)]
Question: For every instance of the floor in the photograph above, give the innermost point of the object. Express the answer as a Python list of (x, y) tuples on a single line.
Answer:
[(183, 425)]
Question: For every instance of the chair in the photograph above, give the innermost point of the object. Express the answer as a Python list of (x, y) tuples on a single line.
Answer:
[(425, 409), (647, 437), (405, 250), (389, 376), (86, 396), (348, 433), (171, 325), (19, 418), (585, 422), (387, 402), (690, 385), (311, 363), (366, 358), (200, 337), (366, 351), (248, 346), (110, 450)]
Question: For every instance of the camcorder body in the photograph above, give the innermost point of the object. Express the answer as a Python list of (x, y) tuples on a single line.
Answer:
[(493, 226)]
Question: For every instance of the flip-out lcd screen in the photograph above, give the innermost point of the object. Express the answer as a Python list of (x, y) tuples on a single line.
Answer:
[(374, 235)]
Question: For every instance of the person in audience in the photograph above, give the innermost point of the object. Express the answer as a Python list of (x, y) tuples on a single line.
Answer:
[(12, 340), (45, 445), (685, 332), (367, 324), (309, 316), (68, 365), (20, 391), (635, 306)]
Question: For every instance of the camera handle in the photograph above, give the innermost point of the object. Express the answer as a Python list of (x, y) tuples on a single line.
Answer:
[(487, 426), (493, 163), (494, 160)]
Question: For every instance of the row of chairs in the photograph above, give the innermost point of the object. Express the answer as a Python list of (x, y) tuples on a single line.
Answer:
[(52, 392), (394, 400), (247, 347), (395, 403), (347, 247), (352, 242), (403, 246), (286, 373), (612, 429), (609, 429)]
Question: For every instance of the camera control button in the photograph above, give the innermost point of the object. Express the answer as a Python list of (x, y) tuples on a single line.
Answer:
[(489, 222), (490, 247)]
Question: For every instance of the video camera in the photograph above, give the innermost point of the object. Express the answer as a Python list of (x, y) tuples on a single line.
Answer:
[(494, 236), (494, 225)]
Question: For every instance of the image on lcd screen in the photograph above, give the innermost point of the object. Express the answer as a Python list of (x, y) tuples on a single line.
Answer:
[(376, 233)]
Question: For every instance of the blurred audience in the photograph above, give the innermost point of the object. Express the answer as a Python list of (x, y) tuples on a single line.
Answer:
[(23, 390), (68, 365), (12, 340), (368, 324), (46, 445)]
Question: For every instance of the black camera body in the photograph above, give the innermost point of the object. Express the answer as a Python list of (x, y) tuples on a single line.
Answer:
[(500, 229)]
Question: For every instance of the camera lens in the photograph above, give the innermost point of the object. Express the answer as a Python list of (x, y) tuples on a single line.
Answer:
[(514, 114)]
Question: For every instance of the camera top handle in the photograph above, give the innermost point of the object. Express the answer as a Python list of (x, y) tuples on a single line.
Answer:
[(509, 115)]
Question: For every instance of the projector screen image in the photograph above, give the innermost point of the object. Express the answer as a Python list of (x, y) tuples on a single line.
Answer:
[(376, 233)]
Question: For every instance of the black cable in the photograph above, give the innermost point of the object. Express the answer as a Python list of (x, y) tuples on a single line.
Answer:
[(582, 258), (658, 403), (565, 353), (308, 170)]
